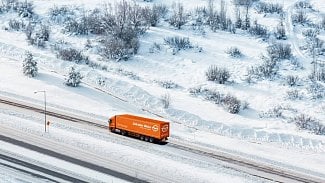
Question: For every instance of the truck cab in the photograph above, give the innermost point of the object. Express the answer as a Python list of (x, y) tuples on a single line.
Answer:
[(111, 123)]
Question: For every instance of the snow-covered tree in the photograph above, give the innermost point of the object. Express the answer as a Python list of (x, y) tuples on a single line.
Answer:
[(74, 78), (30, 66)]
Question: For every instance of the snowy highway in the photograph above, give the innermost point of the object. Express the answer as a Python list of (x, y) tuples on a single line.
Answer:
[(116, 169)]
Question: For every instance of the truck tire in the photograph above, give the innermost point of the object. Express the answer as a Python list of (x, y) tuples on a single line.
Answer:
[(141, 137), (146, 138), (151, 139), (123, 132)]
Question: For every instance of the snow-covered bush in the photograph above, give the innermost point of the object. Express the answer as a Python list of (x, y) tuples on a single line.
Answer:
[(320, 75), (127, 73), (280, 32), (168, 84), (293, 94), (116, 48), (155, 48), (234, 52), (16, 24), (154, 14), (219, 75), (292, 80), (61, 14), (166, 99), (316, 90), (299, 17), (71, 54), (310, 33), (30, 68), (218, 20), (258, 30), (305, 122), (179, 17), (279, 51), (123, 25), (302, 4), (275, 112), (178, 42), (195, 91), (232, 104), (37, 34), (23, 8), (267, 69), (263, 7), (214, 96), (74, 78)]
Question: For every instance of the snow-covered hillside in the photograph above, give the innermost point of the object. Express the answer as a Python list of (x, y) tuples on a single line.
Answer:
[(283, 108)]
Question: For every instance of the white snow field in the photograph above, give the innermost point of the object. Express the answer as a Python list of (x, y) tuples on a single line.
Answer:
[(133, 87)]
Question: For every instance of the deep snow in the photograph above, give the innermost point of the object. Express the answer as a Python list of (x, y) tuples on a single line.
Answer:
[(193, 118)]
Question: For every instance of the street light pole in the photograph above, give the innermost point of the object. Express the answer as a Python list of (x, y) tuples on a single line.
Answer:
[(44, 107)]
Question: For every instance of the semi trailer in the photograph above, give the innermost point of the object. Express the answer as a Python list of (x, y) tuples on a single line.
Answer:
[(144, 128)]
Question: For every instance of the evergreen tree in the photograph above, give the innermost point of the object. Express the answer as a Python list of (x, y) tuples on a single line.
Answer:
[(30, 66), (74, 78)]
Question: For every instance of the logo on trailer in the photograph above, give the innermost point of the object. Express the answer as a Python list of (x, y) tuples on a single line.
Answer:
[(164, 128), (154, 128)]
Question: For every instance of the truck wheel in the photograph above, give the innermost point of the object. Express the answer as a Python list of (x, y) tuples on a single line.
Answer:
[(141, 137), (146, 138), (151, 139), (123, 132)]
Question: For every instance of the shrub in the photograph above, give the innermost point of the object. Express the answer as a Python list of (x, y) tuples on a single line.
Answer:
[(60, 14), (267, 69), (17, 25), (305, 122), (178, 18), (195, 90), (275, 112), (311, 33), (30, 68), (316, 90), (122, 26), (299, 17), (25, 9), (258, 30), (232, 104), (155, 48), (234, 52), (263, 7), (279, 51), (178, 42), (280, 32), (154, 14), (220, 75), (292, 80), (214, 96), (320, 75), (37, 34), (129, 74), (293, 94), (71, 54), (115, 48), (167, 84), (302, 5)]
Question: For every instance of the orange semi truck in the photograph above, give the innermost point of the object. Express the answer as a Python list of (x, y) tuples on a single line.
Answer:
[(147, 129)]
